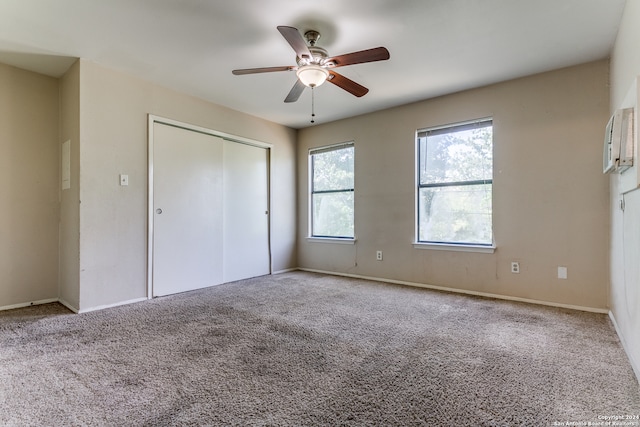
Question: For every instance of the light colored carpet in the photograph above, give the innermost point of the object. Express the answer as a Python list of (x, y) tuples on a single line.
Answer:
[(306, 349)]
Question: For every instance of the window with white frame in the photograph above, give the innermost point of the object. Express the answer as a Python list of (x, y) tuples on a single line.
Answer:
[(455, 184), (332, 191)]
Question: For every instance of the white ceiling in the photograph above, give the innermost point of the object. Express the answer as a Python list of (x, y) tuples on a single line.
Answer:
[(437, 46)]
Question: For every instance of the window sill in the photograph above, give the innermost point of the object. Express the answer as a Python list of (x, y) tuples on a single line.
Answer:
[(456, 248), (335, 240)]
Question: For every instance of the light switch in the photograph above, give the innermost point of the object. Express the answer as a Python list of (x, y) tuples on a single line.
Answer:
[(124, 179), (562, 272)]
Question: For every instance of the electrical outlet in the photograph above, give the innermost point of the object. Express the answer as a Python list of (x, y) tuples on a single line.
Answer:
[(379, 255), (515, 267)]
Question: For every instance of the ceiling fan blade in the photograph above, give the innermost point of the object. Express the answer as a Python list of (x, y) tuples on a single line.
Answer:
[(347, 84), (295, 92), (262, 70), (369, 55), (295, 39)]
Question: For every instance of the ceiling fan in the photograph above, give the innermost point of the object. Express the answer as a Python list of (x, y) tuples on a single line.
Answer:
[(315, 66)]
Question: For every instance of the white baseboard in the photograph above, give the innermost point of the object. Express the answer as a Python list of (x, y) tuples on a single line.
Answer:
[(68, 305), (286, 270), (28, 304), (101, 307), (462, 291), (634, 364)]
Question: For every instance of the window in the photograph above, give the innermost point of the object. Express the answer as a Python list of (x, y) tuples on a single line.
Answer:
[(332, 191), (455, 180)]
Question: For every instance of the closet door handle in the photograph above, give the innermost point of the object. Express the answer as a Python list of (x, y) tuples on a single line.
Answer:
[(158, 211)]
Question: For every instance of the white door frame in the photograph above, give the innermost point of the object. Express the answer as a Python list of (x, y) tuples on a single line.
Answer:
[(152, 119)]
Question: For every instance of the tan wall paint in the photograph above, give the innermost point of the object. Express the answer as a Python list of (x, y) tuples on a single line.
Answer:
[(28, 186), (550, 197), (625, 226), (113, 219), (70, 198)]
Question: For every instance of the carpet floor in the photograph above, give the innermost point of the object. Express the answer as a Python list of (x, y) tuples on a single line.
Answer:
[(303, 349)]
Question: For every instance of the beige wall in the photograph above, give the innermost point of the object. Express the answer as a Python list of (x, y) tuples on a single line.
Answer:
[(550, 197), (113, 141), (70, 198), (29, 186), (625, 226)]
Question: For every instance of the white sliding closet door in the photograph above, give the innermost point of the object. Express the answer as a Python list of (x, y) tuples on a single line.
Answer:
[(210, 210), (188, 219), (246, 219)]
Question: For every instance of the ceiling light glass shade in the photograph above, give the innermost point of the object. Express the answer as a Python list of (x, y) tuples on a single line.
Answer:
[(312, 75)]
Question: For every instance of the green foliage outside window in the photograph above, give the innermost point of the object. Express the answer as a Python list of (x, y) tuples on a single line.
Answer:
[(455, 184), (332, 192)]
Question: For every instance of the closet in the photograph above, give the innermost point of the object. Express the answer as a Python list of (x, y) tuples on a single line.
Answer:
[(209, 215)]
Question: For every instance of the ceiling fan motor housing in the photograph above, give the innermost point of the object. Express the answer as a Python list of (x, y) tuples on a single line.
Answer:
[(318, 54), (318, 57)]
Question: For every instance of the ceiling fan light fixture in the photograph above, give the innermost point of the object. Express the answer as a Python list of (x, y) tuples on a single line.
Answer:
[(312, 75), (313, 64)]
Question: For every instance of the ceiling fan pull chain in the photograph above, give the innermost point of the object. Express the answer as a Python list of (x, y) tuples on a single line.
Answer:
[(313, 113)]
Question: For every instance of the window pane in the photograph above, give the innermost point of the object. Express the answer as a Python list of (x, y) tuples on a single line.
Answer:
[(333, 214), (456, 214), (463, 155), (333, 170)]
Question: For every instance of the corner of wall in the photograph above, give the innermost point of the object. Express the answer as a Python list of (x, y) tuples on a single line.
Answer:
[(635, 364), (68, 246)]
